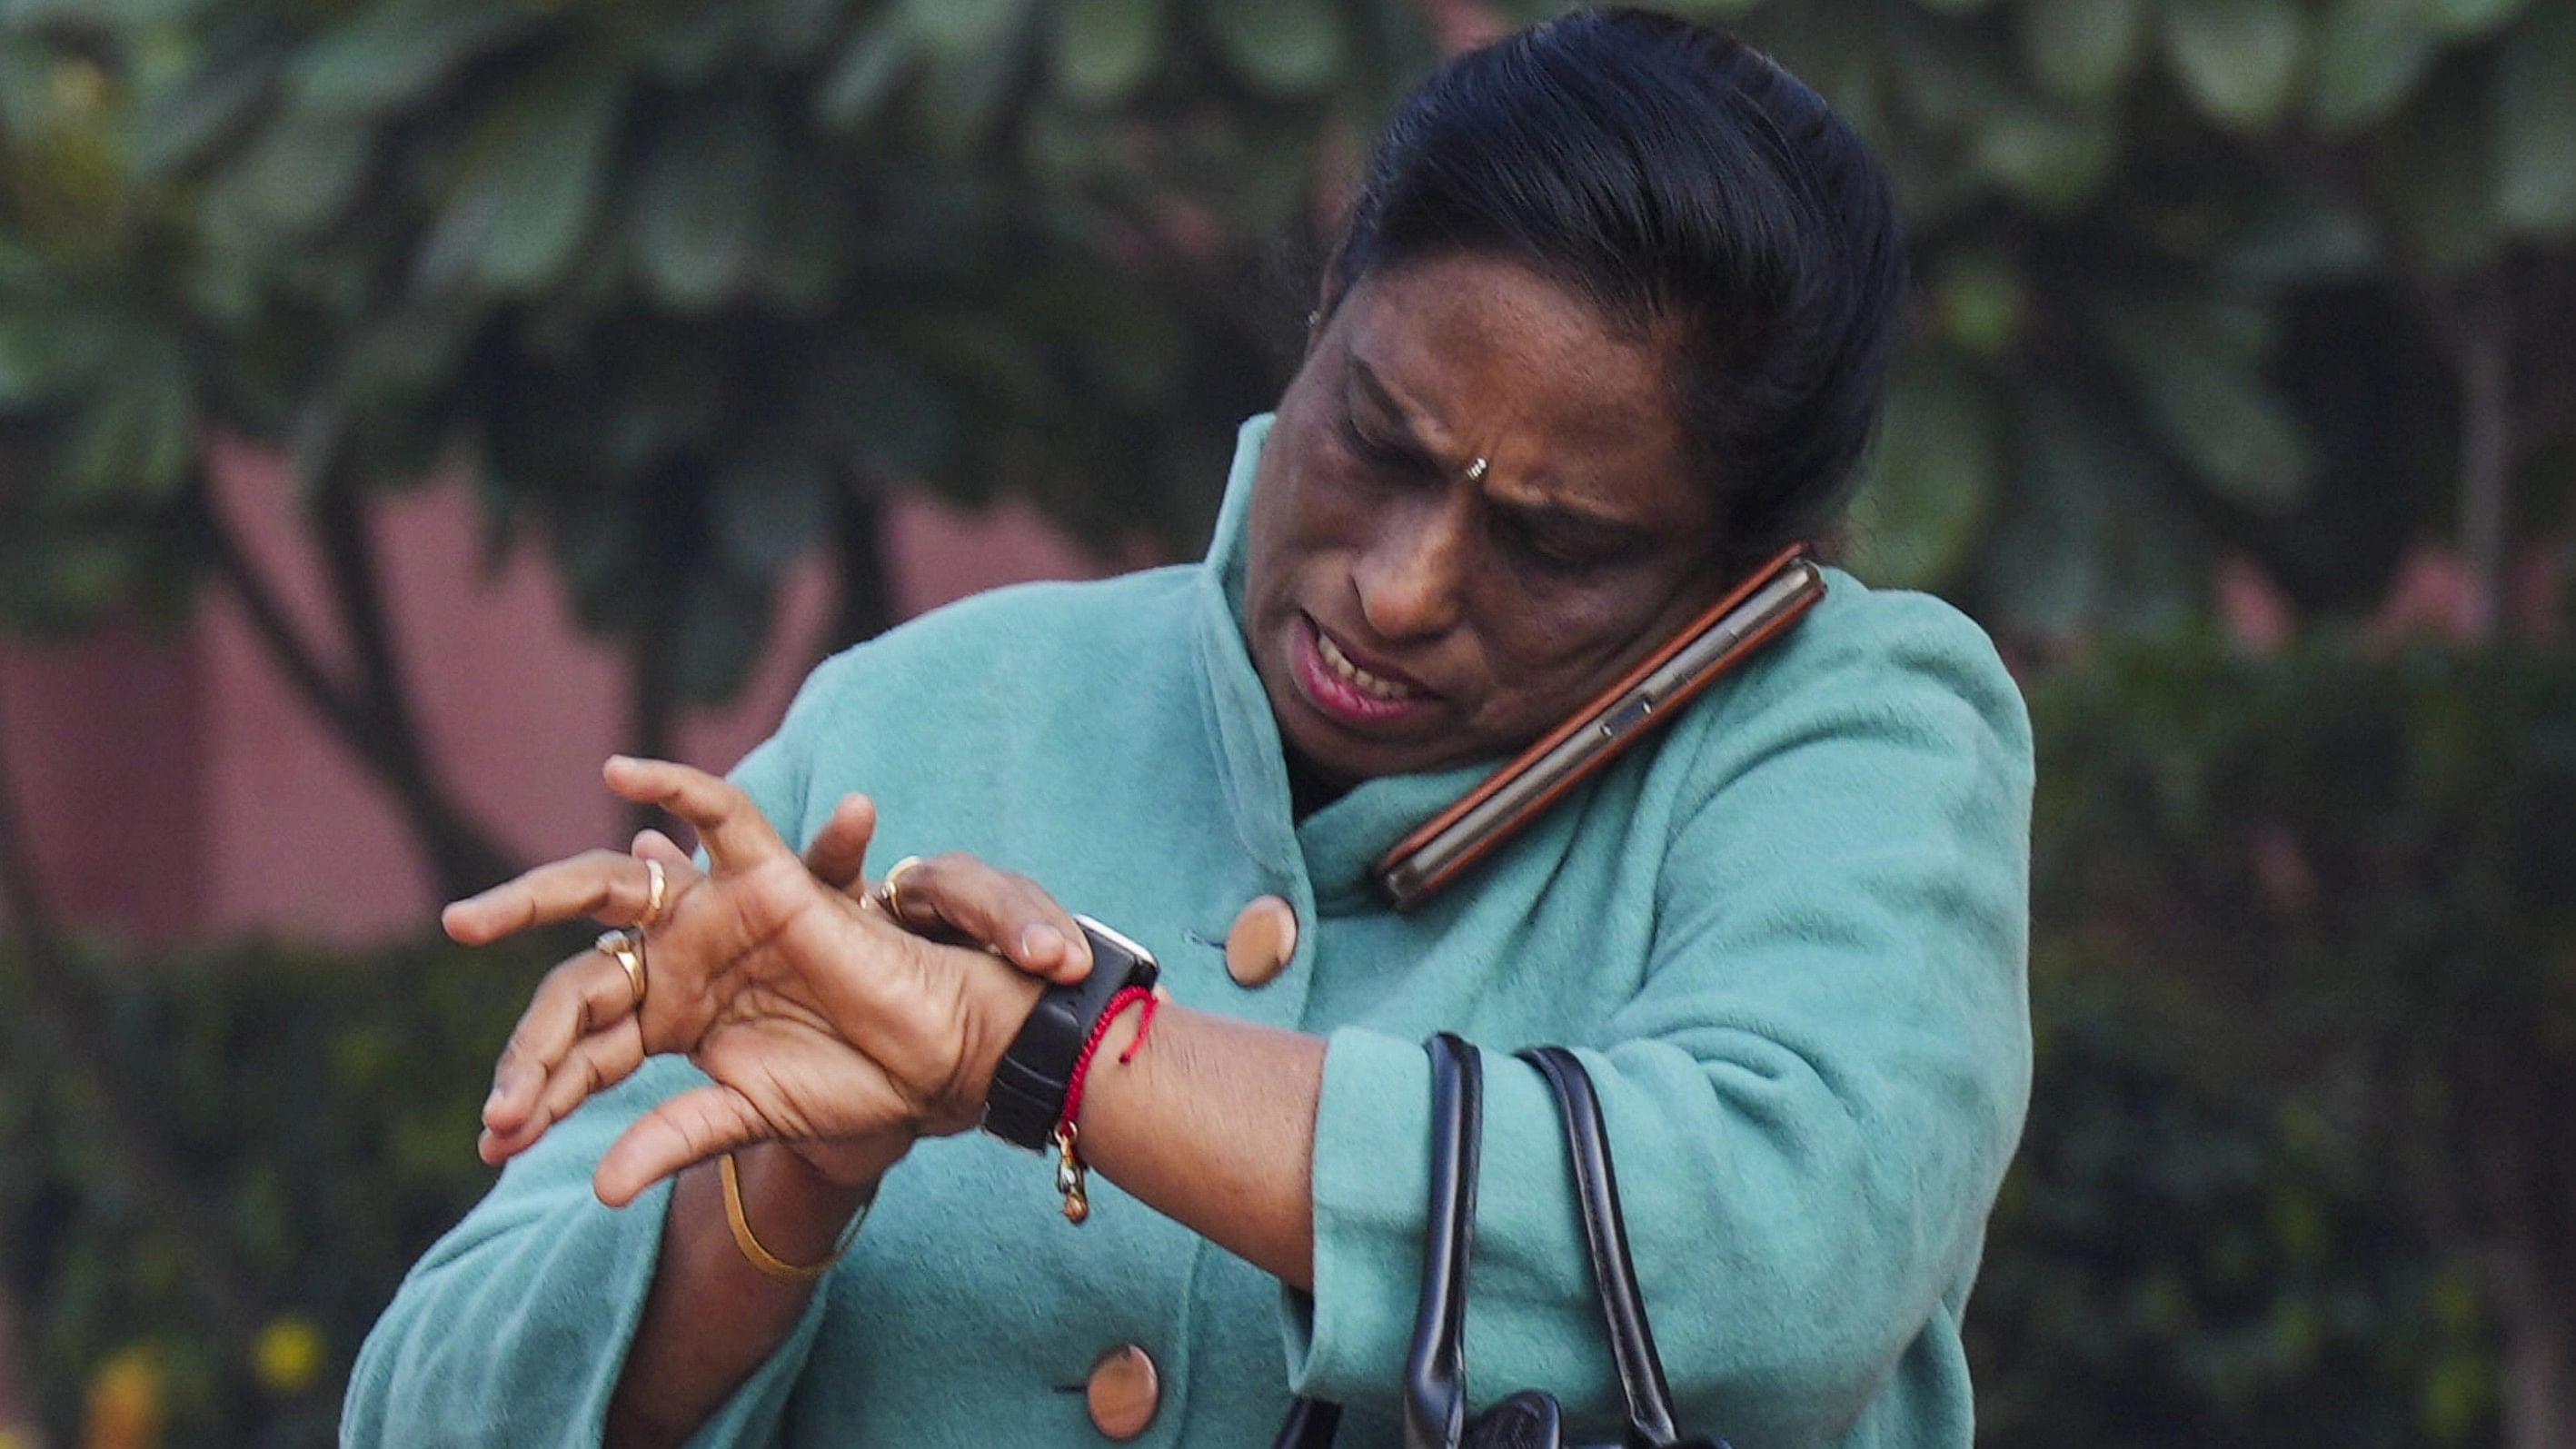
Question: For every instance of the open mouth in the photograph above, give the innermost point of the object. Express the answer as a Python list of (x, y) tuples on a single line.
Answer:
[(1347, 691)]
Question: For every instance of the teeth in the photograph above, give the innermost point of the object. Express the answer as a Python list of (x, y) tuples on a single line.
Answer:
[(1352, 674)]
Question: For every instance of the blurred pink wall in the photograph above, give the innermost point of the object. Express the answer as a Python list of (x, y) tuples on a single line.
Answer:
[(177, 787)]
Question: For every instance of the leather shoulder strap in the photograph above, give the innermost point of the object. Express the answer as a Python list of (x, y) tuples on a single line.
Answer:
[(1435, 1372), (1605, 1234)]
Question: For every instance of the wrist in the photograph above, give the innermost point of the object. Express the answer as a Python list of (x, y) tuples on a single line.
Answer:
[(1005, 999), (799, 1206)]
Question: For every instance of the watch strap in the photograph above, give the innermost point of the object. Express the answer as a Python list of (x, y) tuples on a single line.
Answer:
[(1030, 1082)]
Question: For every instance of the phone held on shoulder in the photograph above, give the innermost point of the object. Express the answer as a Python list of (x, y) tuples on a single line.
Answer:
[(1628, 711)]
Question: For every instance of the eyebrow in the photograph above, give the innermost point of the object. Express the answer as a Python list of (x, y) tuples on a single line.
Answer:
[(1553, 517)]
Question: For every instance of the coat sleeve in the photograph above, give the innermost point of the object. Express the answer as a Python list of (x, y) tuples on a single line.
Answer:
[(513, 1329), (1812, 1098)]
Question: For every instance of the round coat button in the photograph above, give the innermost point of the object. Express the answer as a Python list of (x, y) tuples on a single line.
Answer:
[(1263, 938), (1123, 1393)]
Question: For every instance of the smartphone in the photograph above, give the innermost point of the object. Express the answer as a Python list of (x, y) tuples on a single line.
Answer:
[(1653, 692)]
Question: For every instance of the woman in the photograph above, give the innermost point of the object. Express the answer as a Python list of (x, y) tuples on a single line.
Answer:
[(1606, 330)]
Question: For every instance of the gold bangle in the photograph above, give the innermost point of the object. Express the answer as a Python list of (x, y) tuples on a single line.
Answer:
[(760, 1257)]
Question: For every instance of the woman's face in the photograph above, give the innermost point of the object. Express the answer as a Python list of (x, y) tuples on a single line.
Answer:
[(1408, 610)]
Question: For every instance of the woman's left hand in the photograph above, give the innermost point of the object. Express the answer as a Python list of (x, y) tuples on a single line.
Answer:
[(819, 1019)]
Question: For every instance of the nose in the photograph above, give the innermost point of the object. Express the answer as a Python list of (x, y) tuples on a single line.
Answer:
[(1411, 575)]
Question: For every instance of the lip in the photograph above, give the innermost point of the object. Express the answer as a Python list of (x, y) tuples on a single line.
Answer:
[(1370, 662), (1337, 700)]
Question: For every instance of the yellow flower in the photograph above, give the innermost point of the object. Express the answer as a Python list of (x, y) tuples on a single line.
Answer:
[(125, 1409), (288, 1355)]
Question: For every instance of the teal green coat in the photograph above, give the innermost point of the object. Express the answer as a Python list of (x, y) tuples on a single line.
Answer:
[(1789, 941)]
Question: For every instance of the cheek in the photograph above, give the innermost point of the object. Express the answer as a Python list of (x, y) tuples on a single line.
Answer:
[(1550, 651)]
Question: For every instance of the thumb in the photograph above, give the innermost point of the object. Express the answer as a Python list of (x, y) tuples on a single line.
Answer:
[(838, 854), (654, 845), (688, 1129)]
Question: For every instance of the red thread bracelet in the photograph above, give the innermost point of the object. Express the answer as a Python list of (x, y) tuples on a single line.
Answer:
[(1070, 1169), (1100, 1033)]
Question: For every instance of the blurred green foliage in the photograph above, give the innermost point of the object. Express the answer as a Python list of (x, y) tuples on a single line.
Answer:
[(2175, 1264), (2335, 881), (310, 1129)]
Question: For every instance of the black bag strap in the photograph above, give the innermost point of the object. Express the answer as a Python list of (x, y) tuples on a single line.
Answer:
[(1435, 1372), (1605, 1234), (1435, 1376)]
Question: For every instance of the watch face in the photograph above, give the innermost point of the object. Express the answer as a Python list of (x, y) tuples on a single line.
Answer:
[(1129, 963)]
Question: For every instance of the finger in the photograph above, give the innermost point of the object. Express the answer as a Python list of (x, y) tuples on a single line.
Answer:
[(1000, 910), (581, 996), (594, 1064), (681, 866), (838, 853), (736, 835), (687, 1129), (605, 885)]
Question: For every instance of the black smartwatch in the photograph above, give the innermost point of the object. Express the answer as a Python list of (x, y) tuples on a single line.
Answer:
[(1029, 1085)]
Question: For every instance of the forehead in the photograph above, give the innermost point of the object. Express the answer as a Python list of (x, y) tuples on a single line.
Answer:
[(1487, 358)]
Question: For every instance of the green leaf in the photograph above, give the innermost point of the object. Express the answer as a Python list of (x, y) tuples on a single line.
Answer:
[(1104, 49), (699, 42), (772, 504), (2300, 240), (516, 216), (1982, 305), (809, 246), (2055, 164), (2462, 19), (392, 54), (136, 438), (1953, 7), (902, 421), (177, 123), (963, 97), (2087, 539), (793, 31), (48, 353), (2239, 59), (2535, 120), (962, 27), (703, 203), (724, 621), (1930, 478), (2437, 173), (2082, 50), (1283, 47), (2369, 55), (299, 176), (2196, 369), (876, 60)]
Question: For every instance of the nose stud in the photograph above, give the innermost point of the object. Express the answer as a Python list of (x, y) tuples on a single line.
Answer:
[(1476, 471)]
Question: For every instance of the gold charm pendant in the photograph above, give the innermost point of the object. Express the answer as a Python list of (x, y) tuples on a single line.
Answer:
[(1070, 1174)]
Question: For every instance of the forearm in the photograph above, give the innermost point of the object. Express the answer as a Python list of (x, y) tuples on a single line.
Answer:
[(710, 1317), (1213, 1125)]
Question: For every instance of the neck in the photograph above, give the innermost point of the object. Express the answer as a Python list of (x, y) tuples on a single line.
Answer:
[(1310, 789)]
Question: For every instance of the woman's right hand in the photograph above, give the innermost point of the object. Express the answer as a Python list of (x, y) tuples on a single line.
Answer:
[(581, 1034)]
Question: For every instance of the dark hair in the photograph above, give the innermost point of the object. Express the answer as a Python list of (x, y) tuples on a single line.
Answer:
[(1690, 187)]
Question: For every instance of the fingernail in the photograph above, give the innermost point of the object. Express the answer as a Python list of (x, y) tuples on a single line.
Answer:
[(1042, 940)]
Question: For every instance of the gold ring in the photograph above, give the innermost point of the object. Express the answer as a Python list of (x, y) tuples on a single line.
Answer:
[(892, 884), (656, 883), (625, 946)]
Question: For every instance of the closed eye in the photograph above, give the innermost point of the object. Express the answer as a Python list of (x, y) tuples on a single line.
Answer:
[(1380, 451)]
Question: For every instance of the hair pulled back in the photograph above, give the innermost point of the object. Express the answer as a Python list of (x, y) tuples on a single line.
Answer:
[(1691, 188)]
